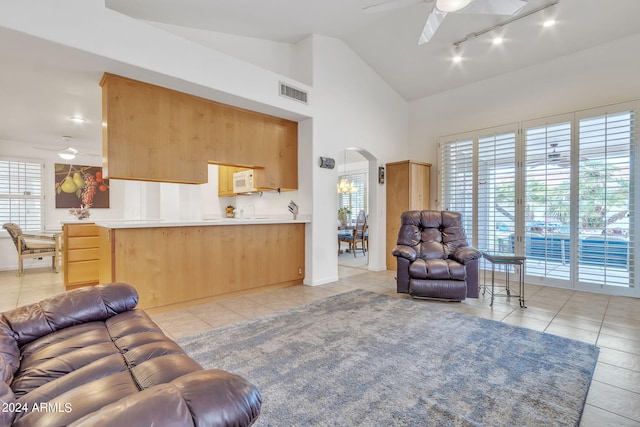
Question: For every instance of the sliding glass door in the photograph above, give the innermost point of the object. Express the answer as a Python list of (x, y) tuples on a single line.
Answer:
[(604, 214), (496, 191), (547, 199), (559, 190)]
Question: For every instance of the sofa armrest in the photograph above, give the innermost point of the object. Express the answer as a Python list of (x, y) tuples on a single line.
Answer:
[(405, 252), (201, 398), (220, 398), (82, 305), (466, 254)]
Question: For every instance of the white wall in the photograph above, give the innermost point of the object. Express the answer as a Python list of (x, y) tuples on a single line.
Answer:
[(139, 47), (267, 54), (602, 75), (353, 107)]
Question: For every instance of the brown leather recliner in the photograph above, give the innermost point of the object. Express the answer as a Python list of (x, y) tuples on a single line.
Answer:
[(88, 358), (434, 257)]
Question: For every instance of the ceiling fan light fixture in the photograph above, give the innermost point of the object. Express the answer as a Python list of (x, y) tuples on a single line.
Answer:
[(68, 153), (457, 55), (451, 5)]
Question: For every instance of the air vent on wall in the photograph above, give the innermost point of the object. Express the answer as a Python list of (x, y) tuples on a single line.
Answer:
[(293, 93)]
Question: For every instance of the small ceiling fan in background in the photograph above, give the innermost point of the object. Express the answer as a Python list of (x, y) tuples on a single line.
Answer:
[(443, 7), (67, 153)]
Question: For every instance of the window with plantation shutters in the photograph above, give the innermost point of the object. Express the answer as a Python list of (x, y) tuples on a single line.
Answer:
[(560, 190), (21, 197), (457, 179), (496, 191), (547, 201), (606, 240), (358, 200)]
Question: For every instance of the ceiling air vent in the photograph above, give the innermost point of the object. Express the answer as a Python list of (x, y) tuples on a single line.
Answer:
[(293, 93)]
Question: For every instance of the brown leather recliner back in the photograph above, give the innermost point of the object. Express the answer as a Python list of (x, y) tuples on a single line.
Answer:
[(434, 257), (88, 358)]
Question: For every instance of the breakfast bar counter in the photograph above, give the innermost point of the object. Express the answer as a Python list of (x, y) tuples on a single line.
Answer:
[(171, 262)]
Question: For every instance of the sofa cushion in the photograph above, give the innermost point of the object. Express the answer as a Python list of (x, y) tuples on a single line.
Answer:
[(9, 357), (9, 351), (85, 305)]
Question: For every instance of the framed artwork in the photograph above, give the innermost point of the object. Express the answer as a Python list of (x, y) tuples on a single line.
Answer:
[(80, 186)]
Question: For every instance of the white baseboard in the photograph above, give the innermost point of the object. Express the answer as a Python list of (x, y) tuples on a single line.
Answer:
[(321, 281)]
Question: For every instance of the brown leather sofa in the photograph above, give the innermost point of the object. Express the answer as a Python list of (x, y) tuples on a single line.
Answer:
[(434, 258), (88, 358)]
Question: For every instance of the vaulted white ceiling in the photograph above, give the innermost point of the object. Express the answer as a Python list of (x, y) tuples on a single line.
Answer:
[(387, 41), (40, 82)]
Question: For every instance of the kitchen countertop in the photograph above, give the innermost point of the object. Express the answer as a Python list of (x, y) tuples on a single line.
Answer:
[(202, 222)]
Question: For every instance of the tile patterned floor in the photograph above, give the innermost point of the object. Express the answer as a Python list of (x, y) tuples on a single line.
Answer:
[(612, 323)]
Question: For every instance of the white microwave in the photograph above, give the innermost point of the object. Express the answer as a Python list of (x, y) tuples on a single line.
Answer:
[(243, 182)]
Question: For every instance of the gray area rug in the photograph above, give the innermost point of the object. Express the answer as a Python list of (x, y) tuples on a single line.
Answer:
[(366, 359)]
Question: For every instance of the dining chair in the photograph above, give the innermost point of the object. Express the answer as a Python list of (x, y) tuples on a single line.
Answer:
[(361, 234), (345, 236), (32, 246)]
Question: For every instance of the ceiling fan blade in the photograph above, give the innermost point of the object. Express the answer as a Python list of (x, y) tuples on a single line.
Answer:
[(70, 150), (494, 7), (434, 20), (48, 149), (391, 5)]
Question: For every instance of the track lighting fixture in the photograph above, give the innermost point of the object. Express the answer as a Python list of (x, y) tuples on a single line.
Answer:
[(476, 34)]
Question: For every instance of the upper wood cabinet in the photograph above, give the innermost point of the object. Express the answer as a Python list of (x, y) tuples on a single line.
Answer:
[(153, 133)]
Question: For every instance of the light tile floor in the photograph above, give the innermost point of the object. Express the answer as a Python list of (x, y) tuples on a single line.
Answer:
[(612, 323)]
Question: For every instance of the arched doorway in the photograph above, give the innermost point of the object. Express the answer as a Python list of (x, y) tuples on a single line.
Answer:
[(356, 197)]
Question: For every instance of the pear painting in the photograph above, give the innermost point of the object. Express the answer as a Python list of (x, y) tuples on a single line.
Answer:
[(80, 186)]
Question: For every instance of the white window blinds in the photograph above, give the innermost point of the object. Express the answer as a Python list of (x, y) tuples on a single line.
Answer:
[(547, 199), (496, 191), (560, 190), (457, 180), (21, 194), (358, 200), (605, 194)]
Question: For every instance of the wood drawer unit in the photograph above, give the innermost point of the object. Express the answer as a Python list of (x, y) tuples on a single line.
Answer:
[(81, 255)]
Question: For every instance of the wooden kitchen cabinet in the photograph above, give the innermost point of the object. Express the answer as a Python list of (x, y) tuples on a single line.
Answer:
[(81, 255), (408, 188), (152, 133)]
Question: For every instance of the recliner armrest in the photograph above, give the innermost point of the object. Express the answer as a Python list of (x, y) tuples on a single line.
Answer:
[(465, 254), (405, 252)]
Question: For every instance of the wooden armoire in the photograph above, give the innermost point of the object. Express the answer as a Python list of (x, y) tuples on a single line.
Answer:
[(408, 188)]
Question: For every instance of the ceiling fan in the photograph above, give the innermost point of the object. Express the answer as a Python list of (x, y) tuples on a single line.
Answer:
[(68, 153), (444, 7)]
